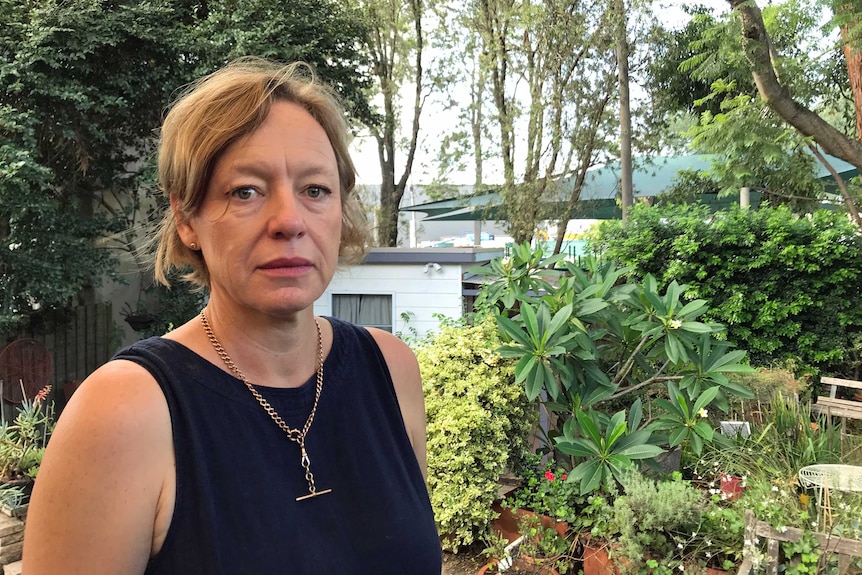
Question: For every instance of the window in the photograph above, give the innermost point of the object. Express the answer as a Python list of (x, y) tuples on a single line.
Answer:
[(363, 309)]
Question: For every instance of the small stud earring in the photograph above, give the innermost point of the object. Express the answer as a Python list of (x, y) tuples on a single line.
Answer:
[(193, 246)]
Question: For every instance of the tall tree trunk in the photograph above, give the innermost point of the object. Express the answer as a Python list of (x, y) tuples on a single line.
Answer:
[(622, 49), (386, 46), (853, 56)]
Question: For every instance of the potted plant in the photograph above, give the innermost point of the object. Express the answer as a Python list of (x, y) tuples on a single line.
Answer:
[(139, 318), (544, 491), (589, 344), (22, 445), (540, 550)]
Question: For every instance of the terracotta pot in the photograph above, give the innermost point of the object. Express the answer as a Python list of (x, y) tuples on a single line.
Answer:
[(596, 560), (539, 565), (731, 487), (507, 523), (714, 571)]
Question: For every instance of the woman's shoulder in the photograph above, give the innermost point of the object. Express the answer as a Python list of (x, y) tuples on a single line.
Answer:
[(120, 394)]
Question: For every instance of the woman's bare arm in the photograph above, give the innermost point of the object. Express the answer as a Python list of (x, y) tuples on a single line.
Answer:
[(105, 490)]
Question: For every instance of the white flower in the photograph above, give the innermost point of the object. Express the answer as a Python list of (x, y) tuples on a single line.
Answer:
[(679, 545), (703, 412), (708, 554), (708, 542), (681, 568), (676, 324), (775, 488), (783, 529)]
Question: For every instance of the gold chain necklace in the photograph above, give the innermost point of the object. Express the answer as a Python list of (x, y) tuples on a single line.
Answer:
[(295, 435)]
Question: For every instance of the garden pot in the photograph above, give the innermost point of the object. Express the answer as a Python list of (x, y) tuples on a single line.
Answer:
[(597, 561), (731, 487), (714, 571), (507, 523), (140, 322)]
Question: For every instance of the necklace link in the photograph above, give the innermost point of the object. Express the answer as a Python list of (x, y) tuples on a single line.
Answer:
[(295, 435)]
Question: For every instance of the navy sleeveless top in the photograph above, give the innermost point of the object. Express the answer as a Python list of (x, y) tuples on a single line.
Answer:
[(238, 475)]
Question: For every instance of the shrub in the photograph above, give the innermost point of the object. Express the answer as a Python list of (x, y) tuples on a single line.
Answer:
[(785, 286), (479, 421)]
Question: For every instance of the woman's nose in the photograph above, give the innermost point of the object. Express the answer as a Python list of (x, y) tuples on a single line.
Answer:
[(285, 213)]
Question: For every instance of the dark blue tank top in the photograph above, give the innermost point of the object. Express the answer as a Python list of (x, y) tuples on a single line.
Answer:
[(238, 476)]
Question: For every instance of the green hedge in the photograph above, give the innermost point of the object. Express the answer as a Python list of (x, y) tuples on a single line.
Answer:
[(479, 420), (788, 288)]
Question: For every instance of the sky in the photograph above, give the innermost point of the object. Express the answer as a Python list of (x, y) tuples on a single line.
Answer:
[(437, 121)]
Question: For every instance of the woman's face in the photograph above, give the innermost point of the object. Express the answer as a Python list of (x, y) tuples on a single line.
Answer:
[(269, 227)]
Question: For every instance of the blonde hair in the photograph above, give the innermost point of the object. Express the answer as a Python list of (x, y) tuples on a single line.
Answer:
[(217, 110)]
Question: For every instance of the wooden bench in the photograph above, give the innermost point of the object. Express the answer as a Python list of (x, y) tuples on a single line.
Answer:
[(835, 407), (845, 549)]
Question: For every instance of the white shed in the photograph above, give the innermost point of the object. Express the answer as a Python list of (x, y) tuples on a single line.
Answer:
[(401, 289)]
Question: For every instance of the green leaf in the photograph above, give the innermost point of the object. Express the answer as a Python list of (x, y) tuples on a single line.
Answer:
[(524, 368), (678, 436), (643, 451), (692, 307), (560, 320), (514, 331), (703, 429), (695, 327), (705, 398), (589, 427), (635, 415), (531, 324), (592, 476), (616, 428), (578, 447), (696, 443), (591, 306), (535, 382)]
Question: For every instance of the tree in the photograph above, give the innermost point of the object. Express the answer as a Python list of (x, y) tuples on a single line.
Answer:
[(85, 86), (753, 145), (547, 65), (87, 82), (324, 33), (394, 45), (761, 55)]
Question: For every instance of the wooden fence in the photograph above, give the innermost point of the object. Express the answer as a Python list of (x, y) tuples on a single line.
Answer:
[(79, 341)]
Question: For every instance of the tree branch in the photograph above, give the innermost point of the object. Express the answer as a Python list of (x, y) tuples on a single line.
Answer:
[(756, 44)]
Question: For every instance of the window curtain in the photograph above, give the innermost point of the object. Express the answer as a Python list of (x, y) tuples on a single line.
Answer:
[(366, 310)]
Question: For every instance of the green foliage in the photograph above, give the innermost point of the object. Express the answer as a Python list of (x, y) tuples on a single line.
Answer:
[(609, 448), (544, 490), (173, 306), (478, 424), (582, 337), (656, 520), (22, 443), (785, 286), (86, 83), (788, 439)]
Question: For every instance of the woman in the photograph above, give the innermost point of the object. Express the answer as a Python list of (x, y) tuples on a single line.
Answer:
[(255, 438)]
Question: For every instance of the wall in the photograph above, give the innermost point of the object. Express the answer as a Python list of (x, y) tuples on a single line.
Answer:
[(423, 282), (413, 290)]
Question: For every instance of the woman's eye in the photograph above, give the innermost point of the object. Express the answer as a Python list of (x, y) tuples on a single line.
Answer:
[(244, 193), (315, 192)]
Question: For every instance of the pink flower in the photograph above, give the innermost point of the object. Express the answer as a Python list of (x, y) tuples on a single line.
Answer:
[(42, 395), (564, 477), (549, 475)]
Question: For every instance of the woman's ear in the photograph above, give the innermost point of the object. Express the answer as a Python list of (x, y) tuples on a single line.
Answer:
[(184, 227)]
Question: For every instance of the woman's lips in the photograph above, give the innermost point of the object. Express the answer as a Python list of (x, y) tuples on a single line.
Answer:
[(287, 267)]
